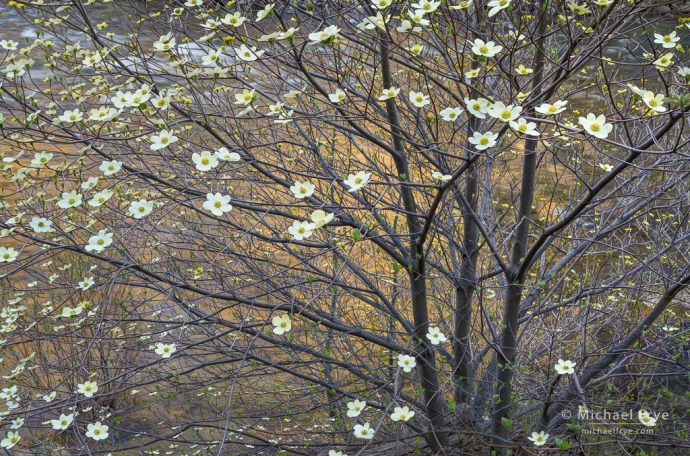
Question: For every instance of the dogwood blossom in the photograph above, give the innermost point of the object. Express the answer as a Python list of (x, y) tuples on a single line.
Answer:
[(71, 116), (85, 283), (402, 414), (495, 6), (91, 182), (205, 161), (99, 242), (41, 158), (462, 6), (664, 61), (163, 139), (337, 96), (406, 362), (646, 419), (357, 181), (100, 198), (596, 126), (10, 441), (551, 109), (441, 177), (654, 102), (381, 4), (565, 367), (217, 204), (539, 438), (97, 431), (40, 224), (71, 199), (301, 230), (485, 49), (450, 114), (524, 127), (427, 6), (355, 407), (478, 108), (281, 324), (667, 41), (264, 12), (435, 336), (87, 388), (225, 155), (248, 54), (504, 113), (63, 422), (364, 432), (419, 99), (165, 350), (325, 36), (108, 168), (483, 141), (8, 254), (212, 58), (302, 189), (140, 209), (234, 20), (321, 218), (389, 93)]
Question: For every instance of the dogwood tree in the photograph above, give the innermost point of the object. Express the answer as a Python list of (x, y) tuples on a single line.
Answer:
[(344, 226)]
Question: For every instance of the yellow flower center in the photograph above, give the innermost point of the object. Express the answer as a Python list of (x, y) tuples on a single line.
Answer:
[(506, 114), (553, 108), (217, 204), (484, 141), (100, 242), (204, 161), (358, 180), (522, 127), (667, 39), (164, 140), (72, 117), (71, 201), (483, 49), (595, 127)]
